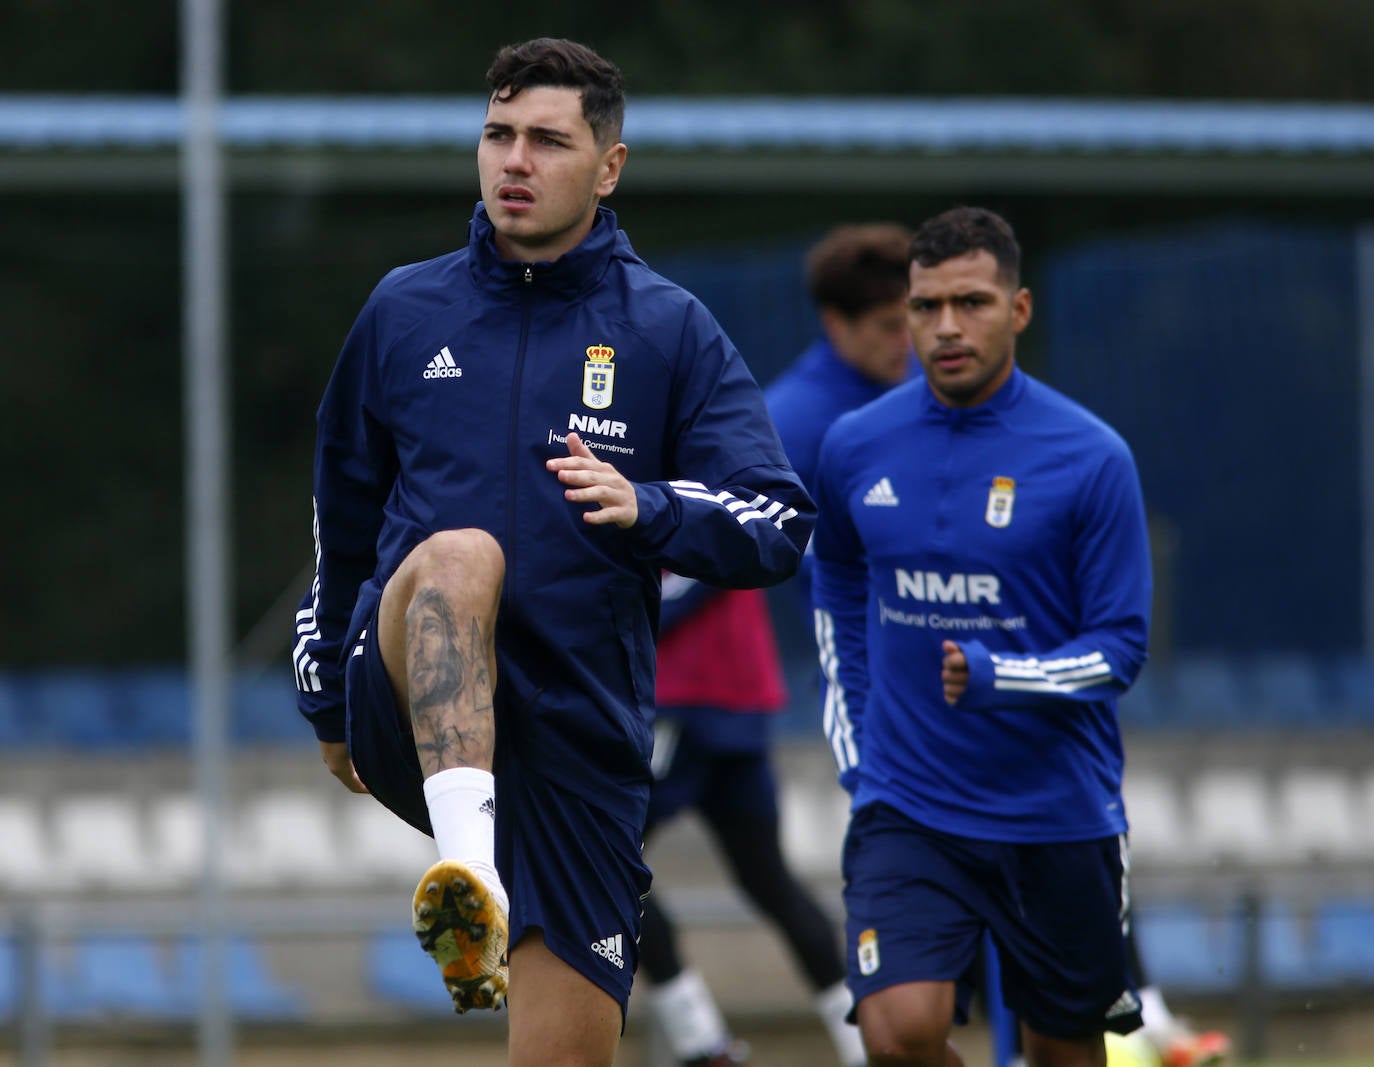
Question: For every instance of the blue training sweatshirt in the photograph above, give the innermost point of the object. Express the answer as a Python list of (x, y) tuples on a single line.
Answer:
[(461, 376), (1017, 530)]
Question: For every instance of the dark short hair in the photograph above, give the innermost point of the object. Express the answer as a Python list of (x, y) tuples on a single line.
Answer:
[(557, 63), (859, 266), (962, 230)]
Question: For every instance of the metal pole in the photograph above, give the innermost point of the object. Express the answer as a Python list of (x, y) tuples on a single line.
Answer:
[(35, 1038), (1252, 991), (206, 482)]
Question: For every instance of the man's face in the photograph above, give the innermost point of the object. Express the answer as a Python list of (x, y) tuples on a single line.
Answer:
[(433, 666), (875, 342), (964, 318), (542, 172)]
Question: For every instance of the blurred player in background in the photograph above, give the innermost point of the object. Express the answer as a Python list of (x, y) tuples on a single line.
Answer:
[(856, 276), (982, 590), (719, 685), (477, 649), (1174, 1041), (719, 676)]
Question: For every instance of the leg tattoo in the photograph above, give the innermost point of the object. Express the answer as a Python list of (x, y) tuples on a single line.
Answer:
[(450, 687)]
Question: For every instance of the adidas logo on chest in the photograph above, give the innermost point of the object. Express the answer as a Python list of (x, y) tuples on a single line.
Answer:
[(442, 366), (881, 495)]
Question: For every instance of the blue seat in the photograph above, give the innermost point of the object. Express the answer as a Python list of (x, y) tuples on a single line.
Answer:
[(1206, 693), (253, 990), (77, 708), (1353, 684), (9, 979), (16, 724), (1288, 691), (264, 711), (1185, 947), (161, 706), (1343, 939), (403, 975), (1287, 960), (1145, 705), (102, 975)]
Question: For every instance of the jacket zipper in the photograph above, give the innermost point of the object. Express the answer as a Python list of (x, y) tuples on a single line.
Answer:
[(512, 442)]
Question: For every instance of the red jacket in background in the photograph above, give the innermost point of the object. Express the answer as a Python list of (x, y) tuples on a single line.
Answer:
[(724, 655)]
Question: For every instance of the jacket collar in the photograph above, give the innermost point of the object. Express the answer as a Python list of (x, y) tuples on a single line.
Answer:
[(988, 411), (569, 275)]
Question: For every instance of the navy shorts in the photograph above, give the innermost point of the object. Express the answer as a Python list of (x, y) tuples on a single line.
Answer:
[(713, 760), (573, 870), (917, 903)]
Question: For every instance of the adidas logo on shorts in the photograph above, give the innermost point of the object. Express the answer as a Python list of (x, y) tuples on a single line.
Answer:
[(1125, 1004), (609, 949)]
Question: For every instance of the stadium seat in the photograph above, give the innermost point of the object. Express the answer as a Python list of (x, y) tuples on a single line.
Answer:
[(16, 727), (1288, 691), (253, 989), (111, 975), (9, 980), (264, 712), (80, 709), (24, 860), (1144, 705), (1287, 959), (161, 706), (1233, 817), (11, 992), (1353, 684), (1154, 807), (287, 837), (379, 847), (1317, 818), (98, 843), (176, 842), (1343, 939), (401, 974), (1206, 693), (1185, 948)]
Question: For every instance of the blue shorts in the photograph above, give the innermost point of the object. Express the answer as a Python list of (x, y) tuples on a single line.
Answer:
[(713, 760), (917, 902), (572, 870)]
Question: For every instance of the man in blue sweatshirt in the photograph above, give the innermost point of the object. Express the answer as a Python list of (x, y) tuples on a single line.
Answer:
[(516, 439), (982, 591)]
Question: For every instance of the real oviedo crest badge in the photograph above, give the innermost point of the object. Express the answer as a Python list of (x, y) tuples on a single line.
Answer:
[(1000, 499), (869, 962), (598, 377)]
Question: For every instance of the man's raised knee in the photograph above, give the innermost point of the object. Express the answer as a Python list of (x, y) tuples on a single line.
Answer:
[(467, 553)]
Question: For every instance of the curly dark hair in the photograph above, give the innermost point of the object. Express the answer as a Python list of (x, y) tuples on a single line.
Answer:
[(859, 266), (962, 230), (562, 64)]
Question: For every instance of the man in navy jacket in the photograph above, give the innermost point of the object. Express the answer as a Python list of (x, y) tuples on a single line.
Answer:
[(516, 439)]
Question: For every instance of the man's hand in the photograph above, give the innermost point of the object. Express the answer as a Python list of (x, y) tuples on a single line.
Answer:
[(335, 756), (953, 672), (597, 483)]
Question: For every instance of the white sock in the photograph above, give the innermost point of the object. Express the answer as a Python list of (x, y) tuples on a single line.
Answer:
[(689, 1016), (462, 810), (832, 1005), (1154, 1012)]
